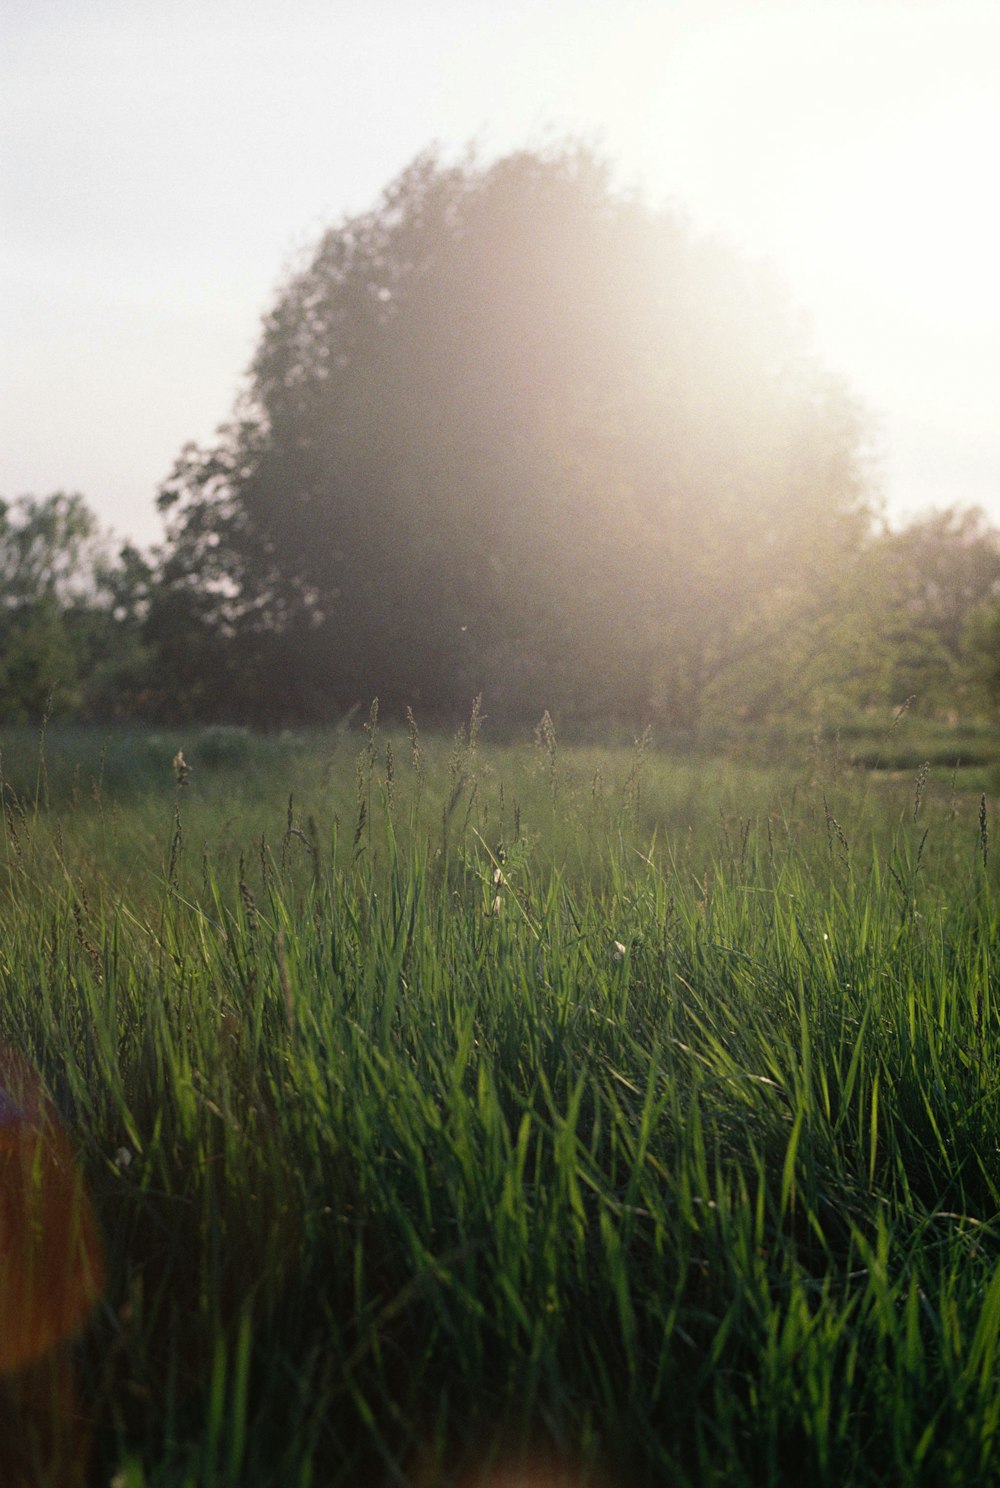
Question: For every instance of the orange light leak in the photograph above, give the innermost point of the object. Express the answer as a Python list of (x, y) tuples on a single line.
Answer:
[(51, 1258)]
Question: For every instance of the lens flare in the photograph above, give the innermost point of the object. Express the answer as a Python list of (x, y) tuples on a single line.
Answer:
[(51, 1259)]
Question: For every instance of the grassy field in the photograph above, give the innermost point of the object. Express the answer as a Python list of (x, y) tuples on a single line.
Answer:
[(450, 1109)]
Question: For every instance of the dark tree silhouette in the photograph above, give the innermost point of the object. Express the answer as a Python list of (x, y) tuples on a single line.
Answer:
[(513, 432)]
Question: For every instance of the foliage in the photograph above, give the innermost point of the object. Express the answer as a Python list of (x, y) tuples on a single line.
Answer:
[(69, 613), (512, 432), (925, 583), (515, 434), (48, 557), (905, 617)]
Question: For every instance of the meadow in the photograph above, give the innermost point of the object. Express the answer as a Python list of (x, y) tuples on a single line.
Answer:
[(459, 1113)]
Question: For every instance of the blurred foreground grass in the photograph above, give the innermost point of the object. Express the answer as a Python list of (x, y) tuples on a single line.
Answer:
[(446, 1105)]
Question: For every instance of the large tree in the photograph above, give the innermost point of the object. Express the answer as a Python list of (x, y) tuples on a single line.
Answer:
[(515, 432)]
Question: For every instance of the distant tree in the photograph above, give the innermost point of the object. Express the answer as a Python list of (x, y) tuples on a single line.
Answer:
[(117, 668), (925, 583), (972, 614), (512, 432), (70, 639), (899, 617), (49, 551)]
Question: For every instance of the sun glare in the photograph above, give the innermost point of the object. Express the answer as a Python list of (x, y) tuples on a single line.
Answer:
[(854, 146), (907, 223)]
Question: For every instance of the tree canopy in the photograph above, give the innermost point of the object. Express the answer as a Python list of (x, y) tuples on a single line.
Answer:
[(513, 432)]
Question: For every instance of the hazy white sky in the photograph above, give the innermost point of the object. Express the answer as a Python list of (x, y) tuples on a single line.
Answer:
[(163, 164)]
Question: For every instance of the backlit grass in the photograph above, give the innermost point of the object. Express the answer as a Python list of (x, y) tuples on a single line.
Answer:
[(465, 1105)]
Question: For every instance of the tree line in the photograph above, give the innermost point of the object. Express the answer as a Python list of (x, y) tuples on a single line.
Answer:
[(512, 432)]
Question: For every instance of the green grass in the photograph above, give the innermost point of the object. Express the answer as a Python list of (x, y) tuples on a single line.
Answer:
[(634, 1111)]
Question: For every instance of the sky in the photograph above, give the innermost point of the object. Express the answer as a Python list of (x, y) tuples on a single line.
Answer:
[(164, 167)]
